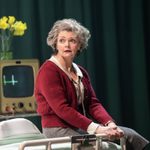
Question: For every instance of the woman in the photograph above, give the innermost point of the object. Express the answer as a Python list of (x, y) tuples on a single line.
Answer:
[(65, 98)]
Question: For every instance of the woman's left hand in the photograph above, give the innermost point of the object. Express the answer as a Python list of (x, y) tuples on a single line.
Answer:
[(120, 132)]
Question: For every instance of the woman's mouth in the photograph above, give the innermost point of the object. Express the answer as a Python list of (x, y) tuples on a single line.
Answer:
[(67, 51)]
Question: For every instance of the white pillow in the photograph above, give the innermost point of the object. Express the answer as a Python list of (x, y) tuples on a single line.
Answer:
[(17, 126)]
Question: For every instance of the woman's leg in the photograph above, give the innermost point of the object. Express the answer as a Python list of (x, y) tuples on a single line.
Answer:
[(59, 132), (134, 141)]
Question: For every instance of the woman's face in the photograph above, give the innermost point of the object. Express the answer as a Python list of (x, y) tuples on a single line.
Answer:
[(67, 44)]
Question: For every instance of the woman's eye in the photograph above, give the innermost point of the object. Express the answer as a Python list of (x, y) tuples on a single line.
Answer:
[(73, 41), (62, 40), (70, 41)]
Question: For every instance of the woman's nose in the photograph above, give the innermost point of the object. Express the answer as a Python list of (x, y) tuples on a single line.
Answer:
[(67, 43)]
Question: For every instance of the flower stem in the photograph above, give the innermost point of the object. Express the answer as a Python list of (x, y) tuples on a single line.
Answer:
[(6, 39)]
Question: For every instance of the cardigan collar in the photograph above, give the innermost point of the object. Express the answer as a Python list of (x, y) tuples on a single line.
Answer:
[(75, 66), (78, 70)]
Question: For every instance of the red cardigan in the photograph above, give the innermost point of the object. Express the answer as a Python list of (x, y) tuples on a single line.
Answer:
[(57, 101)]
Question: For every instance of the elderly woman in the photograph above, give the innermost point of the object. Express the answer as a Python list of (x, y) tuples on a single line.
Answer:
[(64, 94)]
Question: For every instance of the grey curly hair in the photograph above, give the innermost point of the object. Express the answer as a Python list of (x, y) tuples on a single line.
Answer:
[(72, 25)]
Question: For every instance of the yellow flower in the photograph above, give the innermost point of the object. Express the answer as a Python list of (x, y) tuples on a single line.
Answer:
[(11, 20), (19, 28), (16, 28), (3, 23)]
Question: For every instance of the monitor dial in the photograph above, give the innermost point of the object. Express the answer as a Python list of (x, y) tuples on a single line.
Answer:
[(20, 105)]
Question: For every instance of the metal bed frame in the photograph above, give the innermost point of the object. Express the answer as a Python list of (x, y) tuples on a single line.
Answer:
[(74, 140)]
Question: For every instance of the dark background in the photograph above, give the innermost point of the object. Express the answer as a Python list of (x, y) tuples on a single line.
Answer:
[(118, 55)]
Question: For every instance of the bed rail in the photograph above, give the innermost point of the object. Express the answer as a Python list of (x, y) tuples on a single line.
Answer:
[(49, 141)]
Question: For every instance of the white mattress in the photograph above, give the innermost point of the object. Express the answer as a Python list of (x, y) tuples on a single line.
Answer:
[(63, 146)]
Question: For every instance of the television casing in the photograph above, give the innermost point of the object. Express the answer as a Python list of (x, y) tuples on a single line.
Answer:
[(25, 104)]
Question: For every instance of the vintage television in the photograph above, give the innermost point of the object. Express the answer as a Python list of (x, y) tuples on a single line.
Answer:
[(17, 79)]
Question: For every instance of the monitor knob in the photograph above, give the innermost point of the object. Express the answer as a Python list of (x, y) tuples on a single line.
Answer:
[(20, 105), (8, 109)]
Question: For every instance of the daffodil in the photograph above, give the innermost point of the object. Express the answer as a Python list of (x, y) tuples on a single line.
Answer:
[(19, 28), (3, 23), (10, 27)]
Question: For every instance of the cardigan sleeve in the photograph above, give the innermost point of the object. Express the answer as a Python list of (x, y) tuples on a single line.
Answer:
[(51, 85)]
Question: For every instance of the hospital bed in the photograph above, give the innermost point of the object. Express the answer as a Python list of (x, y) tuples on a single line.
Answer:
[(22, 134)]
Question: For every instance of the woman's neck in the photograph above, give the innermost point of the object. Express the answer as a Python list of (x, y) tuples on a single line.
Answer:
[(66, 64)]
